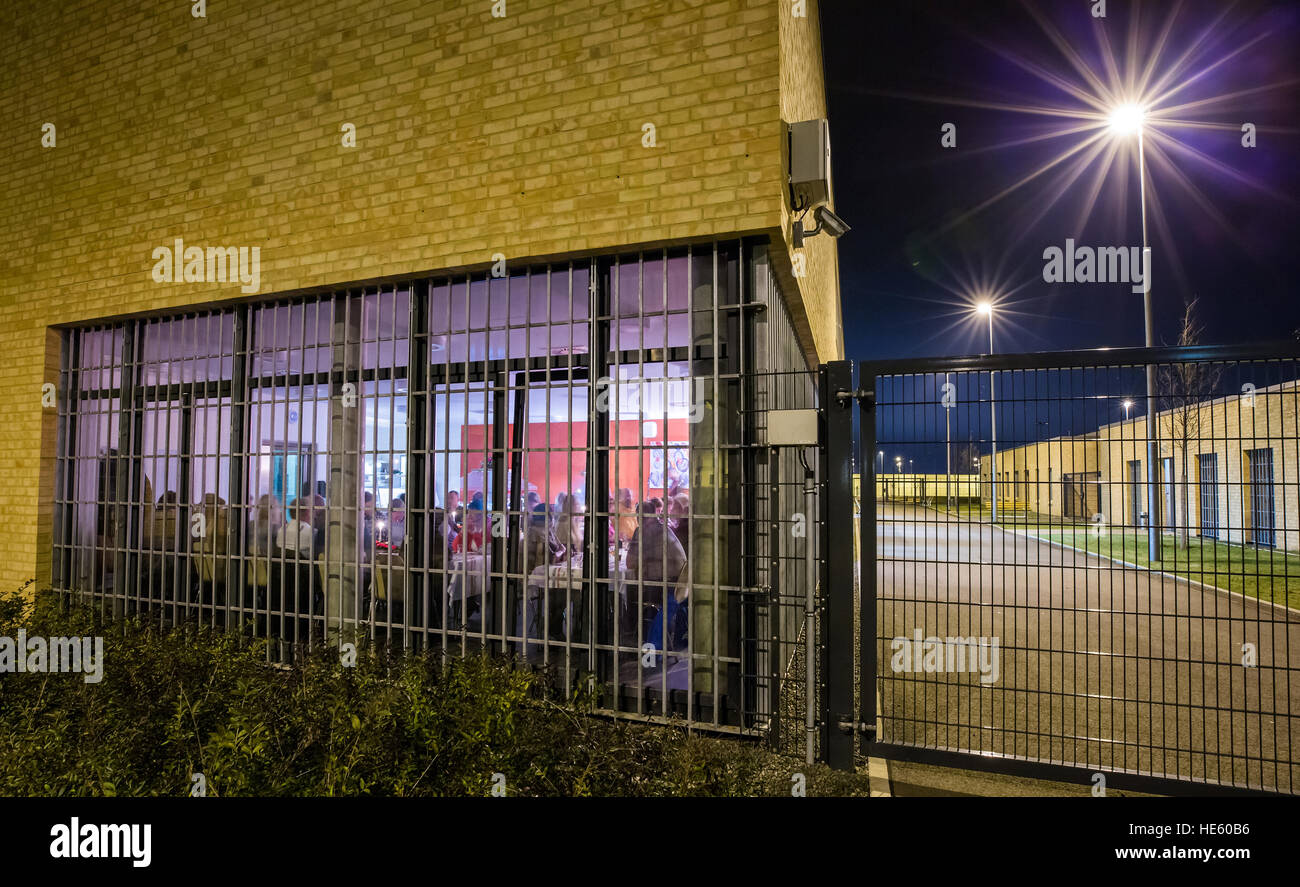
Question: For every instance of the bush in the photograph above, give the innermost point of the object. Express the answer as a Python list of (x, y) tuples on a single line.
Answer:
[(175, 703)]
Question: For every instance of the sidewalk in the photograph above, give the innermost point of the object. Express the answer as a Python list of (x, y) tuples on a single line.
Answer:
[(910, 780)]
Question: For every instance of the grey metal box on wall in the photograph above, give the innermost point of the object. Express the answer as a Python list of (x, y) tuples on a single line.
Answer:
[(810, 161)]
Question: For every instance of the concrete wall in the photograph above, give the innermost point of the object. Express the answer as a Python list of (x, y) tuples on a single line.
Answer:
[(475, 135)]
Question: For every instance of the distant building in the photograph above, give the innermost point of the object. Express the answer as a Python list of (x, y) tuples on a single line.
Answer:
[(1240, 484)]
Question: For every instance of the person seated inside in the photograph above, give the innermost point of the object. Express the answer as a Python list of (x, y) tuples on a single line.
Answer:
[(264, 527), (453, 517), (210, 544), (471, 541), (654, 561), (627, 516), (540, 545), (569, 525), (318, 523), (679, 513), (299, 534), (397, 522), (165, 516), (368, 522)]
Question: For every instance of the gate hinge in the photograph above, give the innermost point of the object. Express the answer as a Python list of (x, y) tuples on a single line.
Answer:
[(848, 726), (861, 395)]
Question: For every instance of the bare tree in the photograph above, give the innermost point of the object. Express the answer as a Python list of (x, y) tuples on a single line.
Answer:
[(1187, 386), (965, 456)]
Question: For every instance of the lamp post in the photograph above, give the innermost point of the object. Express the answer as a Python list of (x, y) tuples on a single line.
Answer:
[(986, 308), (1125, 120), (947, 438), (1127, 405)]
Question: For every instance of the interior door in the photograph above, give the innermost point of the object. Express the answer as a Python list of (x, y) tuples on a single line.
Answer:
[(549, 444), (467, 454)]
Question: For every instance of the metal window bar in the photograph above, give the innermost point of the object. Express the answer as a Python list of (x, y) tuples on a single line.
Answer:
[(238, 414)]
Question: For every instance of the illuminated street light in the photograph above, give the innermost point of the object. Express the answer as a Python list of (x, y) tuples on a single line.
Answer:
[(1127, 405), (986, 308), (1126, 120)]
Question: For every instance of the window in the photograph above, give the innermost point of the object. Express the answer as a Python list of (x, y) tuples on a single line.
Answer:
[(521, 463), (1259, 464), (1208, 464), (1136, 485)]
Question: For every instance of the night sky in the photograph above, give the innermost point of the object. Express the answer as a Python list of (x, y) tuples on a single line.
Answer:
[(1227, 233)]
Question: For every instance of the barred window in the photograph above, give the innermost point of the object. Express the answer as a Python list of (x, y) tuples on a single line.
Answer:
[(554, 463)]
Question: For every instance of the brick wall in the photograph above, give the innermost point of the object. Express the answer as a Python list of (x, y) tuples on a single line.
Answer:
[(475, 135), (803, 97)]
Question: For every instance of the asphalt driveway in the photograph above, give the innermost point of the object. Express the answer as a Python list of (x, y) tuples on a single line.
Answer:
[(1099, 665)]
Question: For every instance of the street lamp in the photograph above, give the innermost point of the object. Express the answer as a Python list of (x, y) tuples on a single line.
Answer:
[(1127, 405), (880, 460), (986, 308), (947, 442), (1126, 120)]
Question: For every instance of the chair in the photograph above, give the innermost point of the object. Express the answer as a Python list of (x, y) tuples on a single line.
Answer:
[(209, 553), (256, 590), (388, 596), (291, 594)]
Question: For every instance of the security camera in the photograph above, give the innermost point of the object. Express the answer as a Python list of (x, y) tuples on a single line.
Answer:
[(826, 221), (831, 223)]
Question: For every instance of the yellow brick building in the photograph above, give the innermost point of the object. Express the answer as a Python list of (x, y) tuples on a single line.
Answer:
[(1227, 470), (525, 134)]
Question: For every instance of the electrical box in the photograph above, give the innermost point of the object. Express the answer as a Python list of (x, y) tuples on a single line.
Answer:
[(810, 161), (792, 428)]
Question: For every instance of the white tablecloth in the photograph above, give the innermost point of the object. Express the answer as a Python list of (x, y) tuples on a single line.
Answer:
[(467, 574), (559, 577)]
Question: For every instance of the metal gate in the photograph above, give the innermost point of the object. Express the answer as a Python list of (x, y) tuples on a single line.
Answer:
[(1031, 639)]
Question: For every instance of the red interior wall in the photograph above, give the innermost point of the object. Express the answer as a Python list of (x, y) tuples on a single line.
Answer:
[(548, 473)]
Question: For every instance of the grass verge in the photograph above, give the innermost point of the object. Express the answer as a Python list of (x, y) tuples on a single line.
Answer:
[(1261, 573)]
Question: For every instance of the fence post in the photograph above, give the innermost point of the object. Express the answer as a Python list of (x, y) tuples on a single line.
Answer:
[(866, 561), (836, 518)]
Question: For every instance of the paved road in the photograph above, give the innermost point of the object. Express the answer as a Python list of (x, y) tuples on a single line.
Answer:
[(1100, 665)]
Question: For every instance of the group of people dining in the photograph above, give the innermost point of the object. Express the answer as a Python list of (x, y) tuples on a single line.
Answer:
[(648, 545)]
